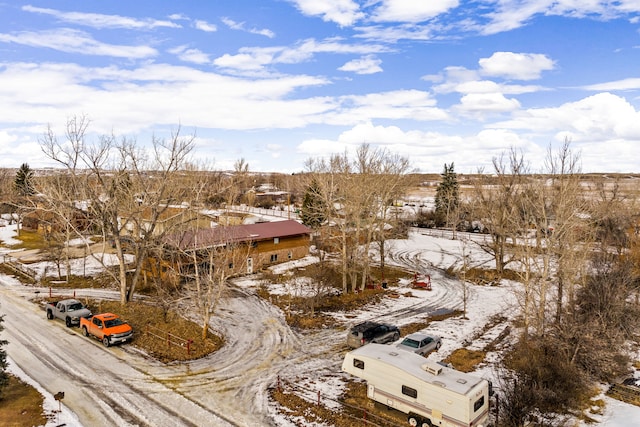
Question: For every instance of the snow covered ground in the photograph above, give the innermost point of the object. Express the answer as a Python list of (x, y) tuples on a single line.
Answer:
[(260, 348)]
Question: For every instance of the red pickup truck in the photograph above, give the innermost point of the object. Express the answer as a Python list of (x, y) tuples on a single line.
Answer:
[(107, 327)]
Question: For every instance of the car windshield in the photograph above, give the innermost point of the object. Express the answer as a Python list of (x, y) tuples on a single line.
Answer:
[(75, 306), (112, 322), (410, 343)]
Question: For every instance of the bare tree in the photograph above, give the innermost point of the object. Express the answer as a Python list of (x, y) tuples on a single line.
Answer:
[(494, 204), (351, 198), (126, 188), (209, 258)]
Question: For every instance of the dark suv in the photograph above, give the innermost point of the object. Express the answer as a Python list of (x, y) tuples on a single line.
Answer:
[(366, 332)]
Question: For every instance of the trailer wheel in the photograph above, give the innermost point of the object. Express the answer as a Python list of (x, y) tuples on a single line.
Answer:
[(105, 341), (413, 421), (49, 315)]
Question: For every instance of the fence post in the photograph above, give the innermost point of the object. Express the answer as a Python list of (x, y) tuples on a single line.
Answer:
[(168, 339), (318, 397), (189, 347)]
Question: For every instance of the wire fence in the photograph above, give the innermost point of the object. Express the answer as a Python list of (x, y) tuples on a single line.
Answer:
[(169, 338)]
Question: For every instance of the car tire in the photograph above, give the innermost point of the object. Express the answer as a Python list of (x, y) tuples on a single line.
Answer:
[(67, 322), (396, 336), (49, 315), (105, 341), (84, 331), (438, 346)]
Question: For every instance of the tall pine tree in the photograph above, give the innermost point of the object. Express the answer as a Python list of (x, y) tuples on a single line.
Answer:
[(24, 181), (313, 207), (447, 196)]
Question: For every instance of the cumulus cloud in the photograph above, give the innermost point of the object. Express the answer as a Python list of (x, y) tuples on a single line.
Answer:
[(426, 150), (343, 12), (517, 66), (411, 10), (475, 104), (97, 20), (364, 65), (187, 54), (400, 104), (75, 41), (598, 117)]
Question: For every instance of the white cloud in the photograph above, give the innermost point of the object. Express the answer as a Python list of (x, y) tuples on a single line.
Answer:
[(364, 65), (631, 83), (392, 34), (400, 104), (411, 10), (518, 66), (155, 95), (190, 55), (256, 58), (511, 14), (343, 12), (600, 117), (97, 20), (204, 26), (74, 41), (426, 150), (476, 104), (241, 27)]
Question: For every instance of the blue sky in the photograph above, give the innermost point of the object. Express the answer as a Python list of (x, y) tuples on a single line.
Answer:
[(276, 82)]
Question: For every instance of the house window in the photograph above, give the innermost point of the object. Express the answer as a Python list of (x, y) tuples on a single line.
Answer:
[(358, 363), (479, 404), (408, 391), (274, 257), (276, 240)]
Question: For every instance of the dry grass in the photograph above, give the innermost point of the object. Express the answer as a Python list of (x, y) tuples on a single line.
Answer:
[(141, 315), (29, 240), (21, 405), (357, 408), (466, 360)]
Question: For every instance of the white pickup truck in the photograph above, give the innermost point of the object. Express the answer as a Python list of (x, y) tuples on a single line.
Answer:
[(69, 310)]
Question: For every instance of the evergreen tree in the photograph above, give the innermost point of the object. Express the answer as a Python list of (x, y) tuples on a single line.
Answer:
[(313, 207), (4, 376), (447, 197), (24, 181)]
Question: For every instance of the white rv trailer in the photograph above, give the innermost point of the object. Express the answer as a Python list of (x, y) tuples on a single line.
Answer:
[(429, 393)]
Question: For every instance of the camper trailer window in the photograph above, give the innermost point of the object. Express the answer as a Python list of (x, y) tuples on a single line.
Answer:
[(411, 392), (358, 363), (479, 404)]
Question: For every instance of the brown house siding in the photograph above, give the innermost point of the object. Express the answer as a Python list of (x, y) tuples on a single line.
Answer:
[(297, 247)]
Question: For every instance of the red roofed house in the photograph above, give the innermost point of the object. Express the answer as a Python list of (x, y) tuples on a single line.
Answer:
[(262, 244)]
